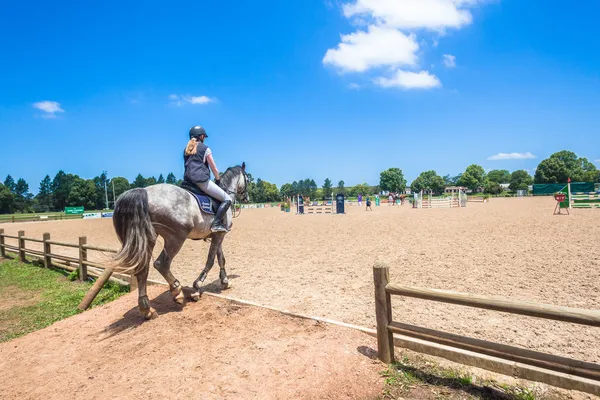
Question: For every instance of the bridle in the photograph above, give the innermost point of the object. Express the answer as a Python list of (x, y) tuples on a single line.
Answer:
[(243, 194)]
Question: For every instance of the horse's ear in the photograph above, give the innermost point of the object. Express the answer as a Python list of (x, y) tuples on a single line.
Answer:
[(244, 166)]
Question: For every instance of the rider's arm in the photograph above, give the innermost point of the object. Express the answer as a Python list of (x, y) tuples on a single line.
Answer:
[(213, 166)]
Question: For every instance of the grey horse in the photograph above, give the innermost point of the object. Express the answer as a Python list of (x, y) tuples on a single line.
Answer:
[(172, 212)]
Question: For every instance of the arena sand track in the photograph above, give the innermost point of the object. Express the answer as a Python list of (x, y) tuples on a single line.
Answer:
[(322, 264), (212, 349)]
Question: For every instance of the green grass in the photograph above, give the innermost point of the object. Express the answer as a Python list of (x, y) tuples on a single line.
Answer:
[(422, 378), (32, 297)]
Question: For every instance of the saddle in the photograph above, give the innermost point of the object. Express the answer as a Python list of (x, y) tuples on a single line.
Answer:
[(206, 203)]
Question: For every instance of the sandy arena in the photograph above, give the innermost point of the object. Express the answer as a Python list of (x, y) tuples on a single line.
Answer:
[(322, 265)]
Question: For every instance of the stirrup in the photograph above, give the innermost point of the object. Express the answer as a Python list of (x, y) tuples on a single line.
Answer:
[(218, 228)]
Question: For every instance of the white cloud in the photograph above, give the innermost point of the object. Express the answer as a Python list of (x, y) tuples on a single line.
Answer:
[(391, 38), (409, 80), (598, 161), (179, 100), (50, 108), (379, 46), (413, 14), (511, 156), (354, 86), (449, 60)]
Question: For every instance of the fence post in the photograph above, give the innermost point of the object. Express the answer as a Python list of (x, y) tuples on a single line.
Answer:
[(21, 246), (2, 250), (47, 258), (383, 312), (83, 275)]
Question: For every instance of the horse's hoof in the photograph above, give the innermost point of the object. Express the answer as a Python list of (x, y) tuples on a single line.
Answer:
[(195, 296), (225, 285), (149, 314), (179, 298)]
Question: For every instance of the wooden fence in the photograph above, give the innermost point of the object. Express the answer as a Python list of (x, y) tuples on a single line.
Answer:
[(35, 217), (386, 327), (49, 258)]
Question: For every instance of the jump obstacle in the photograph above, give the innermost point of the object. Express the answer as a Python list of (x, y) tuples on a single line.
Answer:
[(579, 200), (302, 208), (476, 199), (428, 201)]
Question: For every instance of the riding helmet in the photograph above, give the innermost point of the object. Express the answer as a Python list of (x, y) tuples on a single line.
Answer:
[(197, 131)]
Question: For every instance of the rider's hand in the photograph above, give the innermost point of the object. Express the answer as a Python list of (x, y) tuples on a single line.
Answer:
[(218, 182)]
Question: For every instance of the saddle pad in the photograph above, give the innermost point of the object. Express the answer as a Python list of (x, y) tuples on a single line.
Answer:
[(205, 203)]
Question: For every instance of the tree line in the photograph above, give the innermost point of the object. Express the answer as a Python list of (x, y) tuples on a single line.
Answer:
[(71, 190), (558, 168)]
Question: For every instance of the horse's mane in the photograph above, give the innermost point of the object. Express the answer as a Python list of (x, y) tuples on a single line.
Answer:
[(229, 174)]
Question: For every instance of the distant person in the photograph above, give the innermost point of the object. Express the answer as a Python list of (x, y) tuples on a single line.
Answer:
[(360, 199), (369, 204)]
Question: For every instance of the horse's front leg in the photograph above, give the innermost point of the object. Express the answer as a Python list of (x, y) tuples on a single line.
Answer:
[(215, 244)]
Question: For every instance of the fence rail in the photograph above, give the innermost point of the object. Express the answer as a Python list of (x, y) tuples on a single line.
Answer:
[(50, 258), (36, 217), (550, 364)]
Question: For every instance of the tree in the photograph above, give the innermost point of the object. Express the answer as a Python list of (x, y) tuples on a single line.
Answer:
[(139, 182), (499, 176), (102, 182), (150, 181), (561, 166), (287, 190), (6, 200), (520, 180), (327, 188), (171, 180), (61, 187), (392, 180), (451, 180), (44, 196), (492, 187), (340, 187), (22, 197), (161, 179), (428, 180), (362, 188), (120, 186), (9, 182), (473, 178), (83, 193)]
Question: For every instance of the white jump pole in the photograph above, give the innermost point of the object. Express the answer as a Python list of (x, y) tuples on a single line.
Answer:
[(569, 191)]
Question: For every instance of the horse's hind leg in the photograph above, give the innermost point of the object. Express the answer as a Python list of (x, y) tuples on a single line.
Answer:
[(146, 310), (163, 265), (222, 272), (215, 244)]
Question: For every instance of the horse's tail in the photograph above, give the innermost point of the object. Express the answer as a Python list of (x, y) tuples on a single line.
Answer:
[(132, 223)]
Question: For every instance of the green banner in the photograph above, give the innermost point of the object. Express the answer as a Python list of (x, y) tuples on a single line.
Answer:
[(73, 210), (550, 188)]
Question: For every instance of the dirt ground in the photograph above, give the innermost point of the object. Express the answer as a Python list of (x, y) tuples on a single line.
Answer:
[(213, 349), (322, 264)]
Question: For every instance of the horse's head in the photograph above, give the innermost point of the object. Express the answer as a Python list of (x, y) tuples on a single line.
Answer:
[(235, 182), (243, 185)]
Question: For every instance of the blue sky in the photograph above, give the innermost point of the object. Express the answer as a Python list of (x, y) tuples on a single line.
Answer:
[(318, 88)]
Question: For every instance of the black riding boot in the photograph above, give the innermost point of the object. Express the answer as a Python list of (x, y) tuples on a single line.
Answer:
[(218, 225)]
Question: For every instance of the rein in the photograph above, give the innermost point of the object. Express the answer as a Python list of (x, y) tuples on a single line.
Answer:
[(236, 194)]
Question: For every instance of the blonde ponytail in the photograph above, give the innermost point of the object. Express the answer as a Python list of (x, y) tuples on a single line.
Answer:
[(191, 147)]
